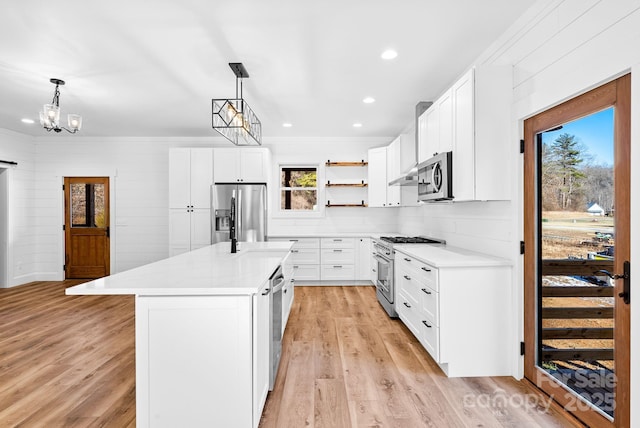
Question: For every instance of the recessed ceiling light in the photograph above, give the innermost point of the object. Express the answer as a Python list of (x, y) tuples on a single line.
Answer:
[(389, 54), (357, 125), (287, 125), (369, 100), (29, 121)]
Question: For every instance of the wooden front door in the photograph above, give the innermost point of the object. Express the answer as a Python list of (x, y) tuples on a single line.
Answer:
[(86, 201), (577, 253)]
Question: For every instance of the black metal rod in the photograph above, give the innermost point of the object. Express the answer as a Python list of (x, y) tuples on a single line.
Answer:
[(9, 162)]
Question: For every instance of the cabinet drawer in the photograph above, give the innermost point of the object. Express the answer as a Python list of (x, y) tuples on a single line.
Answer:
[(300, 242), (338, 272), (423, 272), (429, 303), (429, 337), (407, 310), (305, 256), (344, 256), (337, 242), (306, 272)]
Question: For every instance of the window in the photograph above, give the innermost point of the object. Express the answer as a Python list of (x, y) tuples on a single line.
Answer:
[(298, 188)]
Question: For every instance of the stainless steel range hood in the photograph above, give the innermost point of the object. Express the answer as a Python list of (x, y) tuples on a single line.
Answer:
[(410, 177)]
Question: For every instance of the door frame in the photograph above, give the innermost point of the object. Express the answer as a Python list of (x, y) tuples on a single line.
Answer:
[(615, 93), (112, 216)]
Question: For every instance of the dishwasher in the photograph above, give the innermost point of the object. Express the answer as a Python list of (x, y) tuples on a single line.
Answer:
[(276, 283)]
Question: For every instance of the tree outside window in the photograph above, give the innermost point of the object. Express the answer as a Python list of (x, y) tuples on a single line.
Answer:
[(298, 188)]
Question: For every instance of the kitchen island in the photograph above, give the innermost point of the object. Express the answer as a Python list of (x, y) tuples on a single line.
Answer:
[(202, 333)]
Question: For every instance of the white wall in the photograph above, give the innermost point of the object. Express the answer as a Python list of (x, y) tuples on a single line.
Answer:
[(21, 234), (558, 49)]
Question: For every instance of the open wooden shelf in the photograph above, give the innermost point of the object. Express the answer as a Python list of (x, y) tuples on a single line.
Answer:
[(361, 163), (360, 205), (361, 184)]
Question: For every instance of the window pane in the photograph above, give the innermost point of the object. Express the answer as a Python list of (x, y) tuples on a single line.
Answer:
[(78, 205), (305, 200), (87, 205), (576, 228), (298, 177)]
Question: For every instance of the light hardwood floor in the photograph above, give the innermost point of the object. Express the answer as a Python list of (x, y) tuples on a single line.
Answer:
[(68, 361)]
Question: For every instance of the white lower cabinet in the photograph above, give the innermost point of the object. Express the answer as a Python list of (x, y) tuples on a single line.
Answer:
[(333, 258), (305, 257), (287, 289), (178, 338), (337, 258), (457, 313)]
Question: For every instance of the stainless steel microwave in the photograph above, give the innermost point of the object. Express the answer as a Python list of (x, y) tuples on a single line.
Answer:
[(435, 179)]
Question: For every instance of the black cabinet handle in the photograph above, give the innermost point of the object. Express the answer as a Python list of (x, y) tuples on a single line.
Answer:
[(407, 278), (426, 323), (426, 291), (266, 291), (406, 259), (406, 304), (425, 269)]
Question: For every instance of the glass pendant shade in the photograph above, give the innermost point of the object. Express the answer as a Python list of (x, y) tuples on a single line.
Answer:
[(51, 114), (75, 122)]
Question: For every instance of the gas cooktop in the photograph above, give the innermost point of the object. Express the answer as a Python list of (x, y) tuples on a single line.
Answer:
[(410, 240)]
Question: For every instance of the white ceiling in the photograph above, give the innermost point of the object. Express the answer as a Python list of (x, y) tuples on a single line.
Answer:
[(142, 68)]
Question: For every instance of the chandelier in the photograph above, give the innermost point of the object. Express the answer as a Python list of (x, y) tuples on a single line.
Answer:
[(233, 118), (50, 114)]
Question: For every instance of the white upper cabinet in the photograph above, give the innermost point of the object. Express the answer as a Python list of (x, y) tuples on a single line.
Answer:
[(248, 165), (472, 119), (378, 182), (436, 128), (393, 172), (190, 177), (481, 103), (408, 157)]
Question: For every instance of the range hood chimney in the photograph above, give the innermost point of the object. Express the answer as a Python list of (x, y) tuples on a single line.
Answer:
[(410, 178)]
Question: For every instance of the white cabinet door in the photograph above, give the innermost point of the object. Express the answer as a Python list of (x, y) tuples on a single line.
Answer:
[(377, 177), (254, 165), (190, 371), (430, 144), (200, 228), (393, 172), (261, 357), (464, 151), (201, 177), (363, 259), (226, 165), (179, 231), (445, 123), (179, 178)]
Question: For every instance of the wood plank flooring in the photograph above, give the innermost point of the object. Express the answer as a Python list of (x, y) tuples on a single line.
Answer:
[(69, 361), (345, 363)]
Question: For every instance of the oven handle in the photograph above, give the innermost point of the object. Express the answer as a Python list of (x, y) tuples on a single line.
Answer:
[(381, 259)]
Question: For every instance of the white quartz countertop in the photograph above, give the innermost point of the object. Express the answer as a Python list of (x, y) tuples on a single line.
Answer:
[(373, 235), (211, 270), (442, 256)]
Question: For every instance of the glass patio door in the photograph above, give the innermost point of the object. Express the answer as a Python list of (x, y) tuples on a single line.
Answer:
[(577, 251)]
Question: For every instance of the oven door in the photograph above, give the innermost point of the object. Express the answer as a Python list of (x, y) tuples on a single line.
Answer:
[(384, 281)]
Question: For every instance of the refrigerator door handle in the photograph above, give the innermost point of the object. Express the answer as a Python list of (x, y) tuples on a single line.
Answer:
[(239, 216), (212, 223)]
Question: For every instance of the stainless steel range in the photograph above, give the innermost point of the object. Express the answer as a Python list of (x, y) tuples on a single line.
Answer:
[(384, 256)]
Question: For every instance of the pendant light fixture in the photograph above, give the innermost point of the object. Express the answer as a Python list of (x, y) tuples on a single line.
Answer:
[(50, 114), (233, 118)]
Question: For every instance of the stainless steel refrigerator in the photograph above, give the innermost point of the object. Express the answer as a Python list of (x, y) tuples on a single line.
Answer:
[(250, 211)]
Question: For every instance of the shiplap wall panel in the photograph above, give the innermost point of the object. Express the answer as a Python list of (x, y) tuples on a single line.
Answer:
[(23, 235)]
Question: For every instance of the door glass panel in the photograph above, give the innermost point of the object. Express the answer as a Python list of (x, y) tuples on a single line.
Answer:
[(576, 242), (87, 205)]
